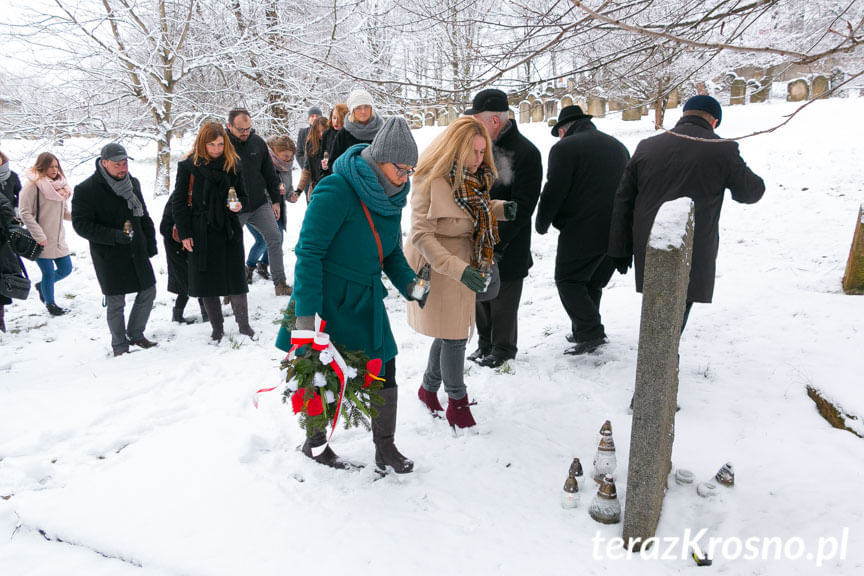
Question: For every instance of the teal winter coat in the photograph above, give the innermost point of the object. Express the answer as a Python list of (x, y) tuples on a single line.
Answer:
[(337, 274)]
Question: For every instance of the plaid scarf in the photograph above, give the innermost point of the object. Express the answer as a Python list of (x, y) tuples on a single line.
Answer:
[(473, 197)]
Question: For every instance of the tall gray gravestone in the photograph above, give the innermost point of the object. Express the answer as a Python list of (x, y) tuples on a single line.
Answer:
[(664, 293)]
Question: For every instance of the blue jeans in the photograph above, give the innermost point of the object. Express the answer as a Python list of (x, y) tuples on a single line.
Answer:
[(258, 251), (53, 270)]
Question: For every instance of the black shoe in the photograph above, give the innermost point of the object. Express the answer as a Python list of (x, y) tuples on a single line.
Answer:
[(570, 338), (327, 457), (55, 310), (143, 342), (38, 287), (121, 352), (586, 347), (478, 355), (261, 268), (250, 271), (493, 360), (177, 316)]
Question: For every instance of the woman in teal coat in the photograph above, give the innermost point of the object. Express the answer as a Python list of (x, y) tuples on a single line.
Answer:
[(350, 234)]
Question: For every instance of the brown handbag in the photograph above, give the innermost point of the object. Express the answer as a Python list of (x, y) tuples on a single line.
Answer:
[(175, 234)]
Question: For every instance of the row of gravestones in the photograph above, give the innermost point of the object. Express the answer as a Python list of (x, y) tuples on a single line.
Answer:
[(534, 110)]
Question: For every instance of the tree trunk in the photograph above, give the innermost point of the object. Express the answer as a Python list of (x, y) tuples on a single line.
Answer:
[(163, 166)]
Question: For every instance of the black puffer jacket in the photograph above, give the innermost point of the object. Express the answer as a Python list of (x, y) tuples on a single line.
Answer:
[(666, 167), (11, 188), (9, 261), (97, 214)]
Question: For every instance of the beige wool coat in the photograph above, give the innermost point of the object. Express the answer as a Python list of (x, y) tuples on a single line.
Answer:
[(441, 234), (52, 213)]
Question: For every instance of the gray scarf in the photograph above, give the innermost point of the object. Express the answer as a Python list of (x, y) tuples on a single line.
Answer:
[(4, 172), (389, 188), (364, 132), (123, 189)]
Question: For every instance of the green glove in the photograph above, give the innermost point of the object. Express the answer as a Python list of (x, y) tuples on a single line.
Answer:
[(473, 279), (510, 209)]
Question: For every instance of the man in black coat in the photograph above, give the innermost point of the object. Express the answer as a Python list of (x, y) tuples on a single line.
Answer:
[(585, 167), (108, 209), (670, 166), (520, 172), (261, 182)]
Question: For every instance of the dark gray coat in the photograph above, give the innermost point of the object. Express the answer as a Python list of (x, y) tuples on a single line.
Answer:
[(666, 167)]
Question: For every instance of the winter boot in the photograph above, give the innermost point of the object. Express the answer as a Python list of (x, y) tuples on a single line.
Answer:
[(327, 457), (459, 413), (250, 270), (261, 268), (55, 310), (241, 313), (177, 311), (383, 431), (214, 314), (204, 316), (430, 400), (282, 289)]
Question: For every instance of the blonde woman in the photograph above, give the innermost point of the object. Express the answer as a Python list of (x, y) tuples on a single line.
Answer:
[(454, 228), (205, 213), (44, 210)]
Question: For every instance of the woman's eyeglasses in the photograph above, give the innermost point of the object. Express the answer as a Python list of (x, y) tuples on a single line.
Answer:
[(402, 171)]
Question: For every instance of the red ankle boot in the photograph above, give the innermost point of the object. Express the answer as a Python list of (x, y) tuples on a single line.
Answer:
[(459, 413), (430, 399)]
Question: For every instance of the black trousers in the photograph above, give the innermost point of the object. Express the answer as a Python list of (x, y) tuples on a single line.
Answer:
[(497, 326), (580, 285)]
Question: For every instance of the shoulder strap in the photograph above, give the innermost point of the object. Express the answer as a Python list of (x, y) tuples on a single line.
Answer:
[(189, 192), (37, 202), (375, 232)]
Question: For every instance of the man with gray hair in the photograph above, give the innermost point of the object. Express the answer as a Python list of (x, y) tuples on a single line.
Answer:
[(108, 209), (520, 172)]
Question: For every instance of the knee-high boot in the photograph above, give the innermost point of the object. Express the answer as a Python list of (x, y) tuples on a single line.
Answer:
[(241, 313), (204, 316), (383, 432), (214, 314)]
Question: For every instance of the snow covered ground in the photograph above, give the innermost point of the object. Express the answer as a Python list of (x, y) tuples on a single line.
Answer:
[(157, 463)]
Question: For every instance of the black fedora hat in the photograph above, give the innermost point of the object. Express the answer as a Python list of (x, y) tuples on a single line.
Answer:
[(568, 114)]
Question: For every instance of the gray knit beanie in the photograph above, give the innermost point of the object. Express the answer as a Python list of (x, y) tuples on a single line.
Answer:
[(394, 143)]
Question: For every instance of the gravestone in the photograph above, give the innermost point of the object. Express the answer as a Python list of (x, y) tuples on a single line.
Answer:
[(763, 91), (797, 91), (550, 108), (853, 280), (820, 87), (566, 101), (738, 92), (429, 118), (674, 99), (632, 111), (616, 105), (596, 107), (537, 111), (443, 117), (664, 292), (524, 112)]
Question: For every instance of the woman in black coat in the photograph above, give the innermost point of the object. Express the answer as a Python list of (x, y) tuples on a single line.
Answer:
[(208, 226), (178, 268), (10, 184), (9, 261)]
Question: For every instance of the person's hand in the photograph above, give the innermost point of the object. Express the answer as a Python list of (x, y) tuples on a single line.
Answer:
[(473, 279), (120, 237), (276, 210), (188, 243), (43, 242), (622, 264), (418, 293), (324, 163), (510, 209), (236, 206), (292, 196), (304, 323)]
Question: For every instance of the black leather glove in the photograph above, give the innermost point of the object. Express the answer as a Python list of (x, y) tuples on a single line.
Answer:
[(622, 264), (473, 279), (120, 237), (510, 209)]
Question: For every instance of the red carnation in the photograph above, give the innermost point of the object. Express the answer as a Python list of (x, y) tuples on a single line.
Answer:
[(297, 400), (315, 407)]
